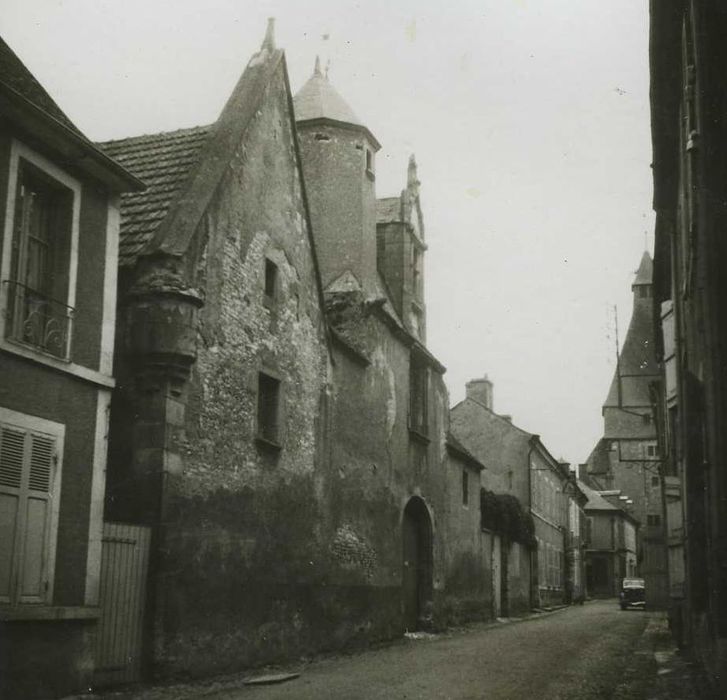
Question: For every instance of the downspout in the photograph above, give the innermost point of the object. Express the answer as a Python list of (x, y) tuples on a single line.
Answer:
[(533, 554)]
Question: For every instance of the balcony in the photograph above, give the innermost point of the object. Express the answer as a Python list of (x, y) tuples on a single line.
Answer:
[(35, 320)]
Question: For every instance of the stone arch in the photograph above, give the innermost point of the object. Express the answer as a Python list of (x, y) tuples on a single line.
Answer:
[(417, 577)]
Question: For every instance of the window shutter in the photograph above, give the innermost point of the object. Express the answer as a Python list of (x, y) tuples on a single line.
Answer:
[(37, 510), (12, 449), (27, 463)]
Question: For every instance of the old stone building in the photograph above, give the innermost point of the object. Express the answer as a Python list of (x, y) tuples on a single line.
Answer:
[(279, 427), (396, 476), (223, 365), (627, 457), (59, 204), (610, 540), (520, 466)]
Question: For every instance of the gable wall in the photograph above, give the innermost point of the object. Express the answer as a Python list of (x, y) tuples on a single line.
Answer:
[(240, 527)]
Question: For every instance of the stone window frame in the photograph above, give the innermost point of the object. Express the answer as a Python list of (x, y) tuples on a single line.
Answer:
[(465, 488)]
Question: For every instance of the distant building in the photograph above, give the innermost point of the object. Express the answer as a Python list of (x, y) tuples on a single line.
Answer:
[(627, 458), (610, 543), (58, 253), (519, 465)]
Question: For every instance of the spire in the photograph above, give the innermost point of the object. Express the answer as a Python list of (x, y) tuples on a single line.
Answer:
[(317, 69), (412, 181), (644, 274), (269, 40)]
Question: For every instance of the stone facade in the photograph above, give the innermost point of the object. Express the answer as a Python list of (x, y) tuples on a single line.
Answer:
[(278, 425)]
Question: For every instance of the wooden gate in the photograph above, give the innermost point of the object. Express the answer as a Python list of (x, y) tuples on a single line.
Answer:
[(124, 565)]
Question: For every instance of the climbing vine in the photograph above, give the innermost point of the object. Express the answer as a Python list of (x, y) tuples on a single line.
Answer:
[(504, 515)]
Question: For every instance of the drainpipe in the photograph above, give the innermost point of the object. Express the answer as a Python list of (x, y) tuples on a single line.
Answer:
[(533, 555)]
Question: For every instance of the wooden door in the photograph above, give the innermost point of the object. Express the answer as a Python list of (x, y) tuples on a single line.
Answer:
[(124, 566)]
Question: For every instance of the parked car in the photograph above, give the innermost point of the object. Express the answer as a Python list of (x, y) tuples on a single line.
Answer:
[(632, 593)]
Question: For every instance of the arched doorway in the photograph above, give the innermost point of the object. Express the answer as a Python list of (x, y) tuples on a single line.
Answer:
[(417, 577)]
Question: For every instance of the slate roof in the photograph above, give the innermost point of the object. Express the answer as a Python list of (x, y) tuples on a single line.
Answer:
[(637, 360), (163, 161), (595, 500), (388, 209), (318, 99), (17, 77), (645, 273)]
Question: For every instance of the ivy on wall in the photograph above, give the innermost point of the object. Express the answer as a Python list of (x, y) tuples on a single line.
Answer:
[(502, 514)]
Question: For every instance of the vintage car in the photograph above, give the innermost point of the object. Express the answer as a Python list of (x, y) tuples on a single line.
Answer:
[(632, 593)]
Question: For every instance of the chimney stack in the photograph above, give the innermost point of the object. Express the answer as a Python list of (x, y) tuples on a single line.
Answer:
[(480, 390)]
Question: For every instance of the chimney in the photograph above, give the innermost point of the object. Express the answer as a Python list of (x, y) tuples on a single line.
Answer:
[(480, 390)]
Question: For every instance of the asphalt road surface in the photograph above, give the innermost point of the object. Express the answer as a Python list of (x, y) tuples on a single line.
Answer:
[(584, 652)]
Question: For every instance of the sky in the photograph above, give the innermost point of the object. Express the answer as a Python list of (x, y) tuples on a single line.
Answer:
[(530, 124)]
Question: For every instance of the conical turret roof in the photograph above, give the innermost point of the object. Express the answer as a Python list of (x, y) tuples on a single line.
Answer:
[(645, 273), (318, 99)]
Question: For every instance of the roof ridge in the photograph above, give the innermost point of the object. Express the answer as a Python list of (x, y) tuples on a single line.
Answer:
[(186, 130)]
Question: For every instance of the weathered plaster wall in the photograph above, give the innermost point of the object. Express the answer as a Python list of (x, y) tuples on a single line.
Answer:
[(241, 556), (468, 578), (342, 200)]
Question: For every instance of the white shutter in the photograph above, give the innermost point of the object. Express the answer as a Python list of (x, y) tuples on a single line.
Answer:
[(37, 519), (27, 461), (12, 458)]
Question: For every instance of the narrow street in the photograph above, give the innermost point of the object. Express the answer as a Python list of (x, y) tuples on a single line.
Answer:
[(582, 653)]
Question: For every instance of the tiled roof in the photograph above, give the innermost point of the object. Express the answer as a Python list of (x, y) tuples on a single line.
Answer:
[(163, 161), (17, 77), (388, 209)]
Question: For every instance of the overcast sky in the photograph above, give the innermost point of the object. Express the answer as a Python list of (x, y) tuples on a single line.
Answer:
[(529, 120)]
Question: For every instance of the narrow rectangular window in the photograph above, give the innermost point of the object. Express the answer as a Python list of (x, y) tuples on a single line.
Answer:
[(271, 279), (418, 395), (268, 408), (38, 286), (465, 487)]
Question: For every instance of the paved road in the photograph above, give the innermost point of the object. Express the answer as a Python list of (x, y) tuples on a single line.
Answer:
[(590, 652), (581, 653)]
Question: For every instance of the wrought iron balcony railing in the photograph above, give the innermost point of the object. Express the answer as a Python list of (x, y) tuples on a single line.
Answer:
[(36, 320)]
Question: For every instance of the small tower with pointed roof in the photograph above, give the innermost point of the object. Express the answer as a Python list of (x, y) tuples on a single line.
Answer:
[(338, 152), (400, 252)]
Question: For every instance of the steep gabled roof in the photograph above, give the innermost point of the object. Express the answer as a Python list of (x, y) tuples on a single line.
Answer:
[(163, 161), (17, 77)]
